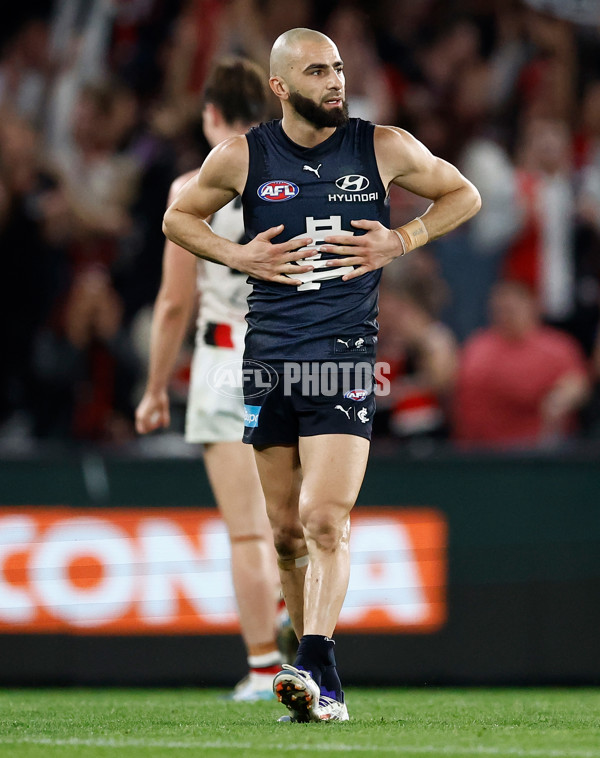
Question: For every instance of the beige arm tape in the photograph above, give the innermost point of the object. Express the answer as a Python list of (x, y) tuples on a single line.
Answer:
[(412, 235), (289, 564)]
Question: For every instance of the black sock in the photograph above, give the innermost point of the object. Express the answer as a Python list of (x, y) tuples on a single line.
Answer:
[(316, 654), (330, 682)]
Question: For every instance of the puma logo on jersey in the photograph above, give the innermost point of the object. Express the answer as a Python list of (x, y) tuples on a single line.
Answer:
[(314, 170), (343, 410), (345, 342)]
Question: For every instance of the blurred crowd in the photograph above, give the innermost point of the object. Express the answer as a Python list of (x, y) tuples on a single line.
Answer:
[(491, 333)]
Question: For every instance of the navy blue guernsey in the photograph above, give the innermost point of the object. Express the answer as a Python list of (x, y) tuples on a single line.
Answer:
[(314, 192)]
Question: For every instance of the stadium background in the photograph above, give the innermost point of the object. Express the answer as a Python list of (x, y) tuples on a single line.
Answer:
[(513, 595)]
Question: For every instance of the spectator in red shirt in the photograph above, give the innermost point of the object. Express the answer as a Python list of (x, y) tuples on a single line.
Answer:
[(520, 383)]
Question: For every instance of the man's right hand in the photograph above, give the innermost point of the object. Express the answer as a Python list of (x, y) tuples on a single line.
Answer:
[(262, 259), (152, 412)]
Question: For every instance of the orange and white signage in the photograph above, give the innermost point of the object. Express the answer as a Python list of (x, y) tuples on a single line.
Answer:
[(148, 572)]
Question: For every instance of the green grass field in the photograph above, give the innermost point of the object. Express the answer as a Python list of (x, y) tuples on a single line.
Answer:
[(85, 723)]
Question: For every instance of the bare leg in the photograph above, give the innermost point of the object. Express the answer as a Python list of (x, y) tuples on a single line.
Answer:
[(280, 476), (333, 468), (234, 480)]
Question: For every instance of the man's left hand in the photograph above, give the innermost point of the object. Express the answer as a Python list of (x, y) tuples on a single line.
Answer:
[(367, 252)]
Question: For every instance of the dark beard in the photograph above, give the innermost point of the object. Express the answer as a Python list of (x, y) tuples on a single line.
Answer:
[(316, 114)]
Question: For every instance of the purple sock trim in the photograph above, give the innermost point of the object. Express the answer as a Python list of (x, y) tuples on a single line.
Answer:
[(328, 693)]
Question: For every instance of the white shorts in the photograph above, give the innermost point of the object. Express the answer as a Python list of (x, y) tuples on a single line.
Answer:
[(215, 415)]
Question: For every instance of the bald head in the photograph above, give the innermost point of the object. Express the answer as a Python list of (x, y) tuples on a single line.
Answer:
[(289, 47), (307, 75)]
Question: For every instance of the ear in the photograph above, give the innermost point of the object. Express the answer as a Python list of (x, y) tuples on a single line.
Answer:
[(279, 87), (211, 116)]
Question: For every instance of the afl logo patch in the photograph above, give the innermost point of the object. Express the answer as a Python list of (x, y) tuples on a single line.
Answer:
[(352, 183), (357, 395), (277, 191)]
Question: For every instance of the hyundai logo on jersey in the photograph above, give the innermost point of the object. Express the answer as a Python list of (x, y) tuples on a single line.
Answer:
[(358, 395), (277, 191), (251, 414), (352, 183)]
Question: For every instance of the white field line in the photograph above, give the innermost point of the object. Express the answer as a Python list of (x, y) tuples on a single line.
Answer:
[(447, 750)]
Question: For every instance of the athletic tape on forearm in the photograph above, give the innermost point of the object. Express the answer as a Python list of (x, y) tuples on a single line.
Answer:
[(412, 235)]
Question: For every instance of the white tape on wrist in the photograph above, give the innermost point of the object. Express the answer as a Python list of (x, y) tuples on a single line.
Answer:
[(420, 220), (397, 233)]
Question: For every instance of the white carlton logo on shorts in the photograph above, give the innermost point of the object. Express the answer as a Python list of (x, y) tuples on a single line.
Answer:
[(362, 415)]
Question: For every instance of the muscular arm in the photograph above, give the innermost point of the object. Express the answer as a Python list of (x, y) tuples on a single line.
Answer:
[(406, 162), (171, 316), (221, 178)]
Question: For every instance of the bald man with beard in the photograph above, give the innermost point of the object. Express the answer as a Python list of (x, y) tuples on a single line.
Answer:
[(314, 186)]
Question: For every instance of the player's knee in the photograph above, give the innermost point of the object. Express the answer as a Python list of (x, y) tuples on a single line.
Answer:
[(288, 540), (328, 527)]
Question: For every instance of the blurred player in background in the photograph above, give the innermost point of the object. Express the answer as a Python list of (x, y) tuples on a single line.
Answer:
[(235, 98)]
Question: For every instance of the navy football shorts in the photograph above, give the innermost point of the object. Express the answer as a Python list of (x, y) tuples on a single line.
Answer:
[(285, 401)]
